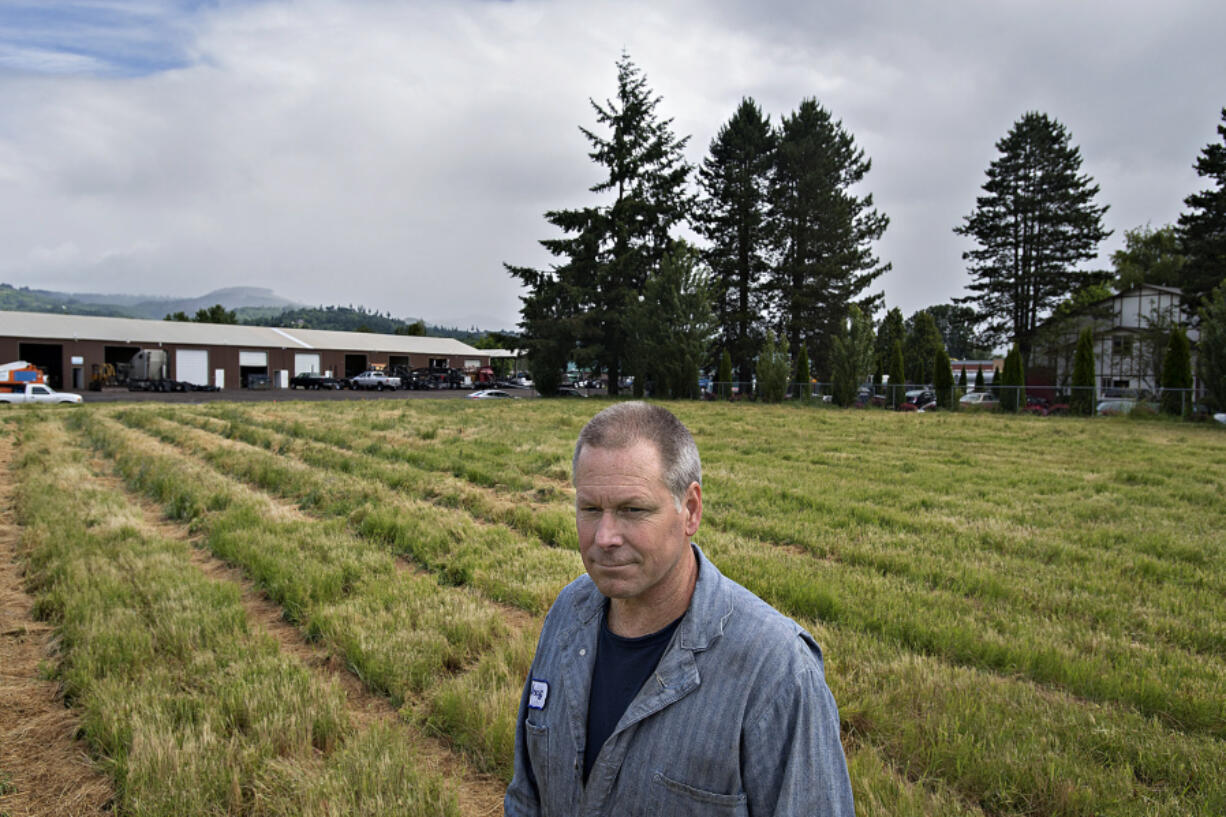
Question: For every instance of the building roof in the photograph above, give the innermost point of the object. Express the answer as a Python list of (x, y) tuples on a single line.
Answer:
[(132, 330)]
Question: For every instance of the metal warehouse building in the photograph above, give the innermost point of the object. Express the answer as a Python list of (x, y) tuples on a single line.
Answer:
[(72, 349)]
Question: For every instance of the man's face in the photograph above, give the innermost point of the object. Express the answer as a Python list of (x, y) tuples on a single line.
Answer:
[(633, 539)]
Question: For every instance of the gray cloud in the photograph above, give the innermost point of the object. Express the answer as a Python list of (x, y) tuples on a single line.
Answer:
[(395, 155)]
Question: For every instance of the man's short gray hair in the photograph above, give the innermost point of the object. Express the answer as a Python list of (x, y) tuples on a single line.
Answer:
[(623, 424)]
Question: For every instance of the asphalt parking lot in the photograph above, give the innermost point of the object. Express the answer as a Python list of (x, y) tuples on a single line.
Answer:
[(274, 395)]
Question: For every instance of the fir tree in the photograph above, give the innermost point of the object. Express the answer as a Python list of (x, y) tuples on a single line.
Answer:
[(1202, 230), (979, 386), (581, 306), (732, 216), (1034, 224), (822, 230)]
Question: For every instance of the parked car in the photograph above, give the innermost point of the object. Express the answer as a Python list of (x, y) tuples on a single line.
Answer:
[(313, 380), (1220, 417), (35, 393), (919, 400), (490, 394), (1123, 405), (374, 379), (569, 391), (979, 400)]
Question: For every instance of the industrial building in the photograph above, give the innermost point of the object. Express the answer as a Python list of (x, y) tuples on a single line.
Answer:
[(73, 350)]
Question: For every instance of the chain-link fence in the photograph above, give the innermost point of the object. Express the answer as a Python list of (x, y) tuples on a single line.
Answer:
[(1032, 399)]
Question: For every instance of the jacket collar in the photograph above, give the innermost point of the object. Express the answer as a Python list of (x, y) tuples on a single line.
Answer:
[(704, 621)]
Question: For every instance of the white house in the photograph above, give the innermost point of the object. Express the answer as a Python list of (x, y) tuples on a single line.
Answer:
[(1131, 331)]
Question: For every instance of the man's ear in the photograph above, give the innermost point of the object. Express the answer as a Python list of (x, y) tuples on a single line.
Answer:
[(691, 508)]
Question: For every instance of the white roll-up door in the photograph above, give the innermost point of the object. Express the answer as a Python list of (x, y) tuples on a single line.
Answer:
[(259, 359), (192, 366), (305, 363)]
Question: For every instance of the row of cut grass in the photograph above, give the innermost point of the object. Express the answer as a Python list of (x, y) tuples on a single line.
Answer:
[(189, 710), (402, 633)]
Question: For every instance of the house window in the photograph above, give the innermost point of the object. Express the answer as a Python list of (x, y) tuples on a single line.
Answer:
[(1121, 346)]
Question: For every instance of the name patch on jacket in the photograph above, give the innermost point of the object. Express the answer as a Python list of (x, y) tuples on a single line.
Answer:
[(538, 694)]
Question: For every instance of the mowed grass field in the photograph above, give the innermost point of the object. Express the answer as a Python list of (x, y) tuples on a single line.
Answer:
[(1020, 616)]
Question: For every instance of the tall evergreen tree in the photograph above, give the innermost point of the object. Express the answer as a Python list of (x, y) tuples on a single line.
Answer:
[(979, 384), (962, 380), (581, 306), (1202, 230), (732, 216), (822, 230), (1034, 224), (851, 356), (1082, 399)]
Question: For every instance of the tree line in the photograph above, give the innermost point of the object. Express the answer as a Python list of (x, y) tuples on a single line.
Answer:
[(786, 268)]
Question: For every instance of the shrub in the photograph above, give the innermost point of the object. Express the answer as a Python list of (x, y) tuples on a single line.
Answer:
[(1082, 401), (1177, 374), (773, 369), (943, 379), (723, 377)]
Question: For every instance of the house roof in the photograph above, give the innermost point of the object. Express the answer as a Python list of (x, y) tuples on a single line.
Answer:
[(133, 330)]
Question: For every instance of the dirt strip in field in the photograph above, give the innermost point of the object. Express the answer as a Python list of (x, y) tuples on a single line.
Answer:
[(478, 795), (44, 770)]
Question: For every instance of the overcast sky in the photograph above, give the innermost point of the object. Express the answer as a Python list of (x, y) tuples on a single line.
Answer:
[(395, 154)]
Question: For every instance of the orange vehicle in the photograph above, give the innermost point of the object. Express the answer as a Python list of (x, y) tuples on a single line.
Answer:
[(19, 372)]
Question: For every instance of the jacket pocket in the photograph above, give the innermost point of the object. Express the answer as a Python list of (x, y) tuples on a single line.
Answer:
[(675, 799)]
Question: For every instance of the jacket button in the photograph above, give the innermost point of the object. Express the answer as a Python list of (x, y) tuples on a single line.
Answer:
[(583, 650)]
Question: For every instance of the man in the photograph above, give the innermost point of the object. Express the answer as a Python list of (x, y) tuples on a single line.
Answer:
[(659, 686)]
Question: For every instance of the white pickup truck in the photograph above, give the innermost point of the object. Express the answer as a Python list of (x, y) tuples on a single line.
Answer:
[(35, 393), (374, 379)]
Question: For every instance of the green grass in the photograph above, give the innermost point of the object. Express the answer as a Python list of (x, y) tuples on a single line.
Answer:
[(1019, 615), (188, 709)]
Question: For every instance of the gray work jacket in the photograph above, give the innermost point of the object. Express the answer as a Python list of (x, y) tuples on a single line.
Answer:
[(737, 719)]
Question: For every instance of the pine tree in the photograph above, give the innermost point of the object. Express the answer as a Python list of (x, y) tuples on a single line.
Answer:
[(732, 216), (1177, 375), (822, 230), (1082, 400), (580, 307), (1034, 224), (962, 381), (1202, 230), (979, 385)]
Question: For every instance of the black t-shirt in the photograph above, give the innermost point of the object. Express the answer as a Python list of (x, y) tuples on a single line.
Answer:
[(623, 665)]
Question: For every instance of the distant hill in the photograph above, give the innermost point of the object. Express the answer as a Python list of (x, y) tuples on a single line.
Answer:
[(257, 306), (231, 298)]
